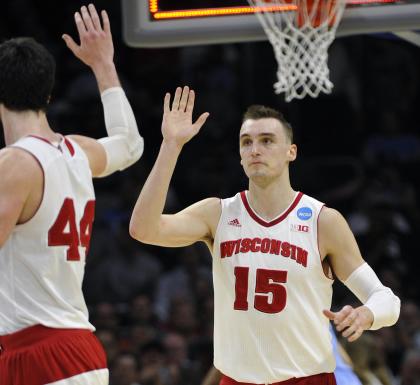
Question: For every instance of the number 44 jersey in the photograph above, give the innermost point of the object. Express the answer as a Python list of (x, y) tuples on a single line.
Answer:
[(42, 263), (270, 289)]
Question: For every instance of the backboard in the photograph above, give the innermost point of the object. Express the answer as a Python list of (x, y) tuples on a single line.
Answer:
[(169, 23)]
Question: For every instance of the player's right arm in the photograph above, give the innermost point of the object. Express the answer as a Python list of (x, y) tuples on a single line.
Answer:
[(20, 176), (197, 222), (123, 146)]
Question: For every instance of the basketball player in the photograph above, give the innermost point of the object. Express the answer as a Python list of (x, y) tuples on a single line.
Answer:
[(271, 247), (47, 208)]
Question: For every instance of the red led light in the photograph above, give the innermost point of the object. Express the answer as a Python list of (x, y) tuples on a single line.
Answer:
[(228, 11)]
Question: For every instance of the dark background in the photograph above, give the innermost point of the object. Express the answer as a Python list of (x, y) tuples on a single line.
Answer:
[(358, 151)]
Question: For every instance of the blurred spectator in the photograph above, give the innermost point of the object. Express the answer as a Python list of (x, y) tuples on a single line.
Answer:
[(104, 316), (181, 369), (152, 364), (141, 335), (409, 325), (190, 281), (369, 362), (124, 370), (410, 371), (109, 342), (183, 318), (141, 311), (129, 270)]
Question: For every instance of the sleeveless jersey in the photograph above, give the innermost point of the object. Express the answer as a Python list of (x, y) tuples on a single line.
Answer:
[(270, 290), (42, 263)]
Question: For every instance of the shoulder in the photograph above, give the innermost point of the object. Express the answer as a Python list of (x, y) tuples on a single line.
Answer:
[(94, 152), (18, 163), (332, 224), (207, 208), (333, 229), (330, 217), (86, 143), (207, 211), (212, 202), (21, 173)]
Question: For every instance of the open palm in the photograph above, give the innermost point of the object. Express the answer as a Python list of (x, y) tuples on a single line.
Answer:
[(177, 125), (96, 45)]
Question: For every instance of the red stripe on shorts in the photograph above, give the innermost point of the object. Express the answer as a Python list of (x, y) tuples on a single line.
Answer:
[(39, 355), (317, 379)]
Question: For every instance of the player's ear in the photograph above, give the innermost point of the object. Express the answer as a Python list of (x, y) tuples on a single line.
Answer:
[(292, 152)]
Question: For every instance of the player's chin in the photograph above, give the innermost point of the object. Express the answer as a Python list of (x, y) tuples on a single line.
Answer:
[(259, 177)]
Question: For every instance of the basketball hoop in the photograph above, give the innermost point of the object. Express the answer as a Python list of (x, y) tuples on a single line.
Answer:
[(301, 39)]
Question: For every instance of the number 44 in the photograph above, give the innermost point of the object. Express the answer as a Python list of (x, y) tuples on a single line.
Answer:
[(72, 238)]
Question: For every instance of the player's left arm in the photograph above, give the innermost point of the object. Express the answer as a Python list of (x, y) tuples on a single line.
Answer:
[(380, 306)]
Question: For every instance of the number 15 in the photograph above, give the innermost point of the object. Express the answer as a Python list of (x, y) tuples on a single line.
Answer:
[(267, 281)]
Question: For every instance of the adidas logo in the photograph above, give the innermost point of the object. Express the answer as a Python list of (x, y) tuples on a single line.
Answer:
[(234, 222)]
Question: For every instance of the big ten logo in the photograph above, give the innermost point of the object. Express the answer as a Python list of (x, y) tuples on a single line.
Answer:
[(299, 228)]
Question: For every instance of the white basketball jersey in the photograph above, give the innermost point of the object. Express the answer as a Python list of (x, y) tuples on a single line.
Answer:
[(270, 290), (42, 263)]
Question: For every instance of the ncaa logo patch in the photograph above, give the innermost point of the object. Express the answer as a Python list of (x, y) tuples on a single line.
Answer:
[(304, 213)]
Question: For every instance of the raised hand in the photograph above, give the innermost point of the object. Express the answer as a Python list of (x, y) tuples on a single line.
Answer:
[(96, 47), (177, 125), (351, 322)]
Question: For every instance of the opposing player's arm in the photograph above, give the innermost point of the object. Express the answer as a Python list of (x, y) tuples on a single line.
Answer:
[(20, 174), (195, 223), (123, 146), (380, 306)]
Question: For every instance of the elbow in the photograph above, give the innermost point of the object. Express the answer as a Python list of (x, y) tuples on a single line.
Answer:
[(137, 148), (396, 307), (135, 231), (139, 232)]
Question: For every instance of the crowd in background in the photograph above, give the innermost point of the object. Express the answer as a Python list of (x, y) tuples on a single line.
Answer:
[(358, 151)]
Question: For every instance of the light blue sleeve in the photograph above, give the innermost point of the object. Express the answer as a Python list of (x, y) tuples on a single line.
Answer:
[(344, 374)]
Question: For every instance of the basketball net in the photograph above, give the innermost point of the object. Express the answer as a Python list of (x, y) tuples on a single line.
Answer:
[(301, 39)]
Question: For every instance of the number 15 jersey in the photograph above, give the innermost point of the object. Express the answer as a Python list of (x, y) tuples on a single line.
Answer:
[(270, 290), (42, 263)]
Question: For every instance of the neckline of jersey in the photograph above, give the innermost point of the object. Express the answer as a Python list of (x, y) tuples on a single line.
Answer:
[(275, 221), (58, 145), (55, 145)]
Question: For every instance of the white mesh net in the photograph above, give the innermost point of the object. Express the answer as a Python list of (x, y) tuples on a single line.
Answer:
[(301, 39)]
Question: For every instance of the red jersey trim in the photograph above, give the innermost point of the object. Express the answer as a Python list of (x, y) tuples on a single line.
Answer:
[(43, 139), (69, 146), (47, 141), (261, 221)]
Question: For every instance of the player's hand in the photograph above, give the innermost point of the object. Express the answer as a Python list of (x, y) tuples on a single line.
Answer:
[(351, 322), (96, 47), (177, 125)]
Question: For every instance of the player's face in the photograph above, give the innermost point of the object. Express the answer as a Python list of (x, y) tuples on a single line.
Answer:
[(265, 149)]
